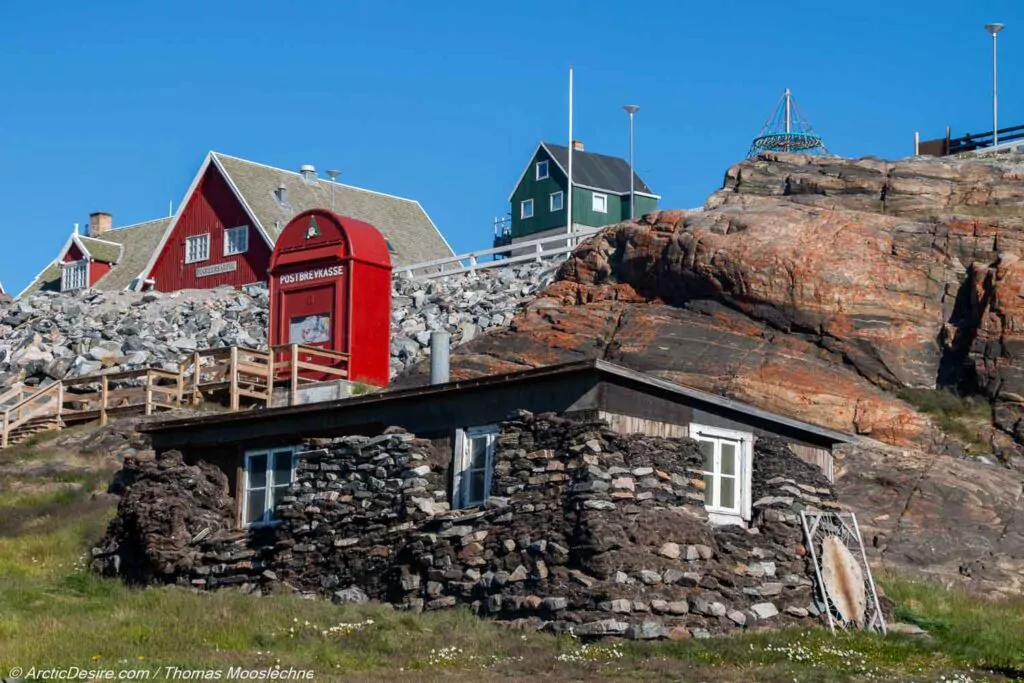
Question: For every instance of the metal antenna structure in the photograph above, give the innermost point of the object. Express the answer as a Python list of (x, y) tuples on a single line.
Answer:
[(786, 130)]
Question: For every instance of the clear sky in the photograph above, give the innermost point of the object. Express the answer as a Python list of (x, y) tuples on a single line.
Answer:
[(112, 105)]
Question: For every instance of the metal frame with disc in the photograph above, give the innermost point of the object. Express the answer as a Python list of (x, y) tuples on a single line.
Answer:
[(836, 534), (786, 130)]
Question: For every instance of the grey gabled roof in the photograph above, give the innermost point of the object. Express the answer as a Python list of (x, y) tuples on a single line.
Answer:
[(139, 241), (127, 249), (102, 250), (403, 222), (596, 171)]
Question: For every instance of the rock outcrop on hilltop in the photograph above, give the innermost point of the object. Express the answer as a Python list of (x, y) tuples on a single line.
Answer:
[(814, 287)]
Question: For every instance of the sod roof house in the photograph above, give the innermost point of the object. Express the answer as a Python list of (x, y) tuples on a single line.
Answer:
[(225, 229)]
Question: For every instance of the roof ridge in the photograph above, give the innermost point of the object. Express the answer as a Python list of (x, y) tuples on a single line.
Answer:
[(319, 180), (140, 224), (97, 239)]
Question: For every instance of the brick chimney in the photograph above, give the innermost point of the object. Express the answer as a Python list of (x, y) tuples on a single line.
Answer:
[(577, 145), (100, 222)]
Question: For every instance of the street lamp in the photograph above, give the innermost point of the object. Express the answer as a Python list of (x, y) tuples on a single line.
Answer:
[(334, 177), (994, 29), (631, 109)]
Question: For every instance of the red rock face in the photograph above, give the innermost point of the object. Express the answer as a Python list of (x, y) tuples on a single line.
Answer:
[(813, 287)]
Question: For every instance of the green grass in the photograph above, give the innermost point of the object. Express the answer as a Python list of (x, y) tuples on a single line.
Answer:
[(54, 612), (955, 415)]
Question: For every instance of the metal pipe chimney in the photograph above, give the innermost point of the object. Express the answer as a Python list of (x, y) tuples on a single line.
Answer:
[(440, 363)]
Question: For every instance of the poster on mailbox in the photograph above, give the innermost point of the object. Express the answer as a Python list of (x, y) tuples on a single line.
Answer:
[(310, 329)]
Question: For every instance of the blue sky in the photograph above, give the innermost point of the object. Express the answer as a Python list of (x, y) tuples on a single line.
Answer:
[(112, 105)]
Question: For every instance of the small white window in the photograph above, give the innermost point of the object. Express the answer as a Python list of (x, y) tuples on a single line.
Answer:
[(600, 203), (74, 275), (542, 170), (474, 464), (268, 474), (556, 201), (197, 248), (727, 470), (526, 209), (236, 240)]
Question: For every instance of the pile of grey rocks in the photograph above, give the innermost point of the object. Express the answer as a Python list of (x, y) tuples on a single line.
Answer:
[(49, 336)]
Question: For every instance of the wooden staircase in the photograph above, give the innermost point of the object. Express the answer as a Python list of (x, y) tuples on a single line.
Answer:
[(236, 377)]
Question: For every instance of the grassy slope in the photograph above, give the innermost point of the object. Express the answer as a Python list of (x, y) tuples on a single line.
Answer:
[(53, 612)]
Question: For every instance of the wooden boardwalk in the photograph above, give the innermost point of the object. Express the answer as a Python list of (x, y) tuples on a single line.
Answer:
[(234, 376)]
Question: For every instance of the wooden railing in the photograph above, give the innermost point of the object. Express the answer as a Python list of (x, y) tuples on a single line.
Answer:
[(532, 250), (226, 375)]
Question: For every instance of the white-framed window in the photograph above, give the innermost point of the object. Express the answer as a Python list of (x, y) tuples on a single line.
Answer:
[(268, 474), (474, 466), (542, 169), (236, 240), (74, 275), (526, 209), (727, 472), (555, 201), (197, 248), (600, 204)]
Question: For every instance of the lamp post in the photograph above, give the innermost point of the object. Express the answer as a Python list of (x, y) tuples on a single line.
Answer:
[(631, 109), (994, 29), (334, 177)]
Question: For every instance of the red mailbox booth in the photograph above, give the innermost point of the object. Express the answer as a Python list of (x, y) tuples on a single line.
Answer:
[(330, 289)]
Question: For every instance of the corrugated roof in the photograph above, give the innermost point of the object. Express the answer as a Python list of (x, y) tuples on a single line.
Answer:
[(597, 171), (403, 222)]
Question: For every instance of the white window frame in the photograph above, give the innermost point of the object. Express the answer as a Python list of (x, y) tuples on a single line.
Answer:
[(268, 499), (463, 464), (238, 230), (522, 208), (551, 201), (543, 164), (604, 203), (189, 251), (70, 280), (740, 513)]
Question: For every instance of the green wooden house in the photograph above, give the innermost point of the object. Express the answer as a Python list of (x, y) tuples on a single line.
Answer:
[(601, 193)]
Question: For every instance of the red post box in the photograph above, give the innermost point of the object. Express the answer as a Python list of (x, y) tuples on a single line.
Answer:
[(330, 289)]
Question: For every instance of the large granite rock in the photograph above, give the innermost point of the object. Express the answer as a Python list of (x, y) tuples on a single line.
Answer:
[(814, 287)]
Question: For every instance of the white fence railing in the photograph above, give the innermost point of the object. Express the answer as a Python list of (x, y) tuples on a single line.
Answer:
[(532, 250)]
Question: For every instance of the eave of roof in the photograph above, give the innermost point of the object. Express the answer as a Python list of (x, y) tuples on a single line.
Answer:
[(520, 376)]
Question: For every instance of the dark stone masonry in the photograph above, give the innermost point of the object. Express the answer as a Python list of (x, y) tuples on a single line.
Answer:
[(586, 529)]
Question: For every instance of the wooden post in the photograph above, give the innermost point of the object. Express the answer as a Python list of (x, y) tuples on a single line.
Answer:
[(3, 429), (293, 393), (270, 376), (149, 392), (181, 383), (233, 371), (60, 405), (197, 373), (103, 400)]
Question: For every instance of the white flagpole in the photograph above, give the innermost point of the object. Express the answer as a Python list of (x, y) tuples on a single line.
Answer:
[(568, 223)]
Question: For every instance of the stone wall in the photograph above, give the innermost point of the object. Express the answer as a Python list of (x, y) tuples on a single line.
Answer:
[(586, 529)]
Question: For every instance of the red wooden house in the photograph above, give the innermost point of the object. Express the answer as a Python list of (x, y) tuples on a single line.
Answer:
[(225, 229)]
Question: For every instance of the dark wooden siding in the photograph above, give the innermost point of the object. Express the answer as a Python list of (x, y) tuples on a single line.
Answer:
[(211, 209), (539, 191)]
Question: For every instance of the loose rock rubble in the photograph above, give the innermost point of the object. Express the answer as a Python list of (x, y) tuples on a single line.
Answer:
[(586, 530), (48, 336)]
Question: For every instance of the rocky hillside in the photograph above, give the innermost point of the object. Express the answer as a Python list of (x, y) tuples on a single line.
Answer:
[(50, 336), (815, 287)]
